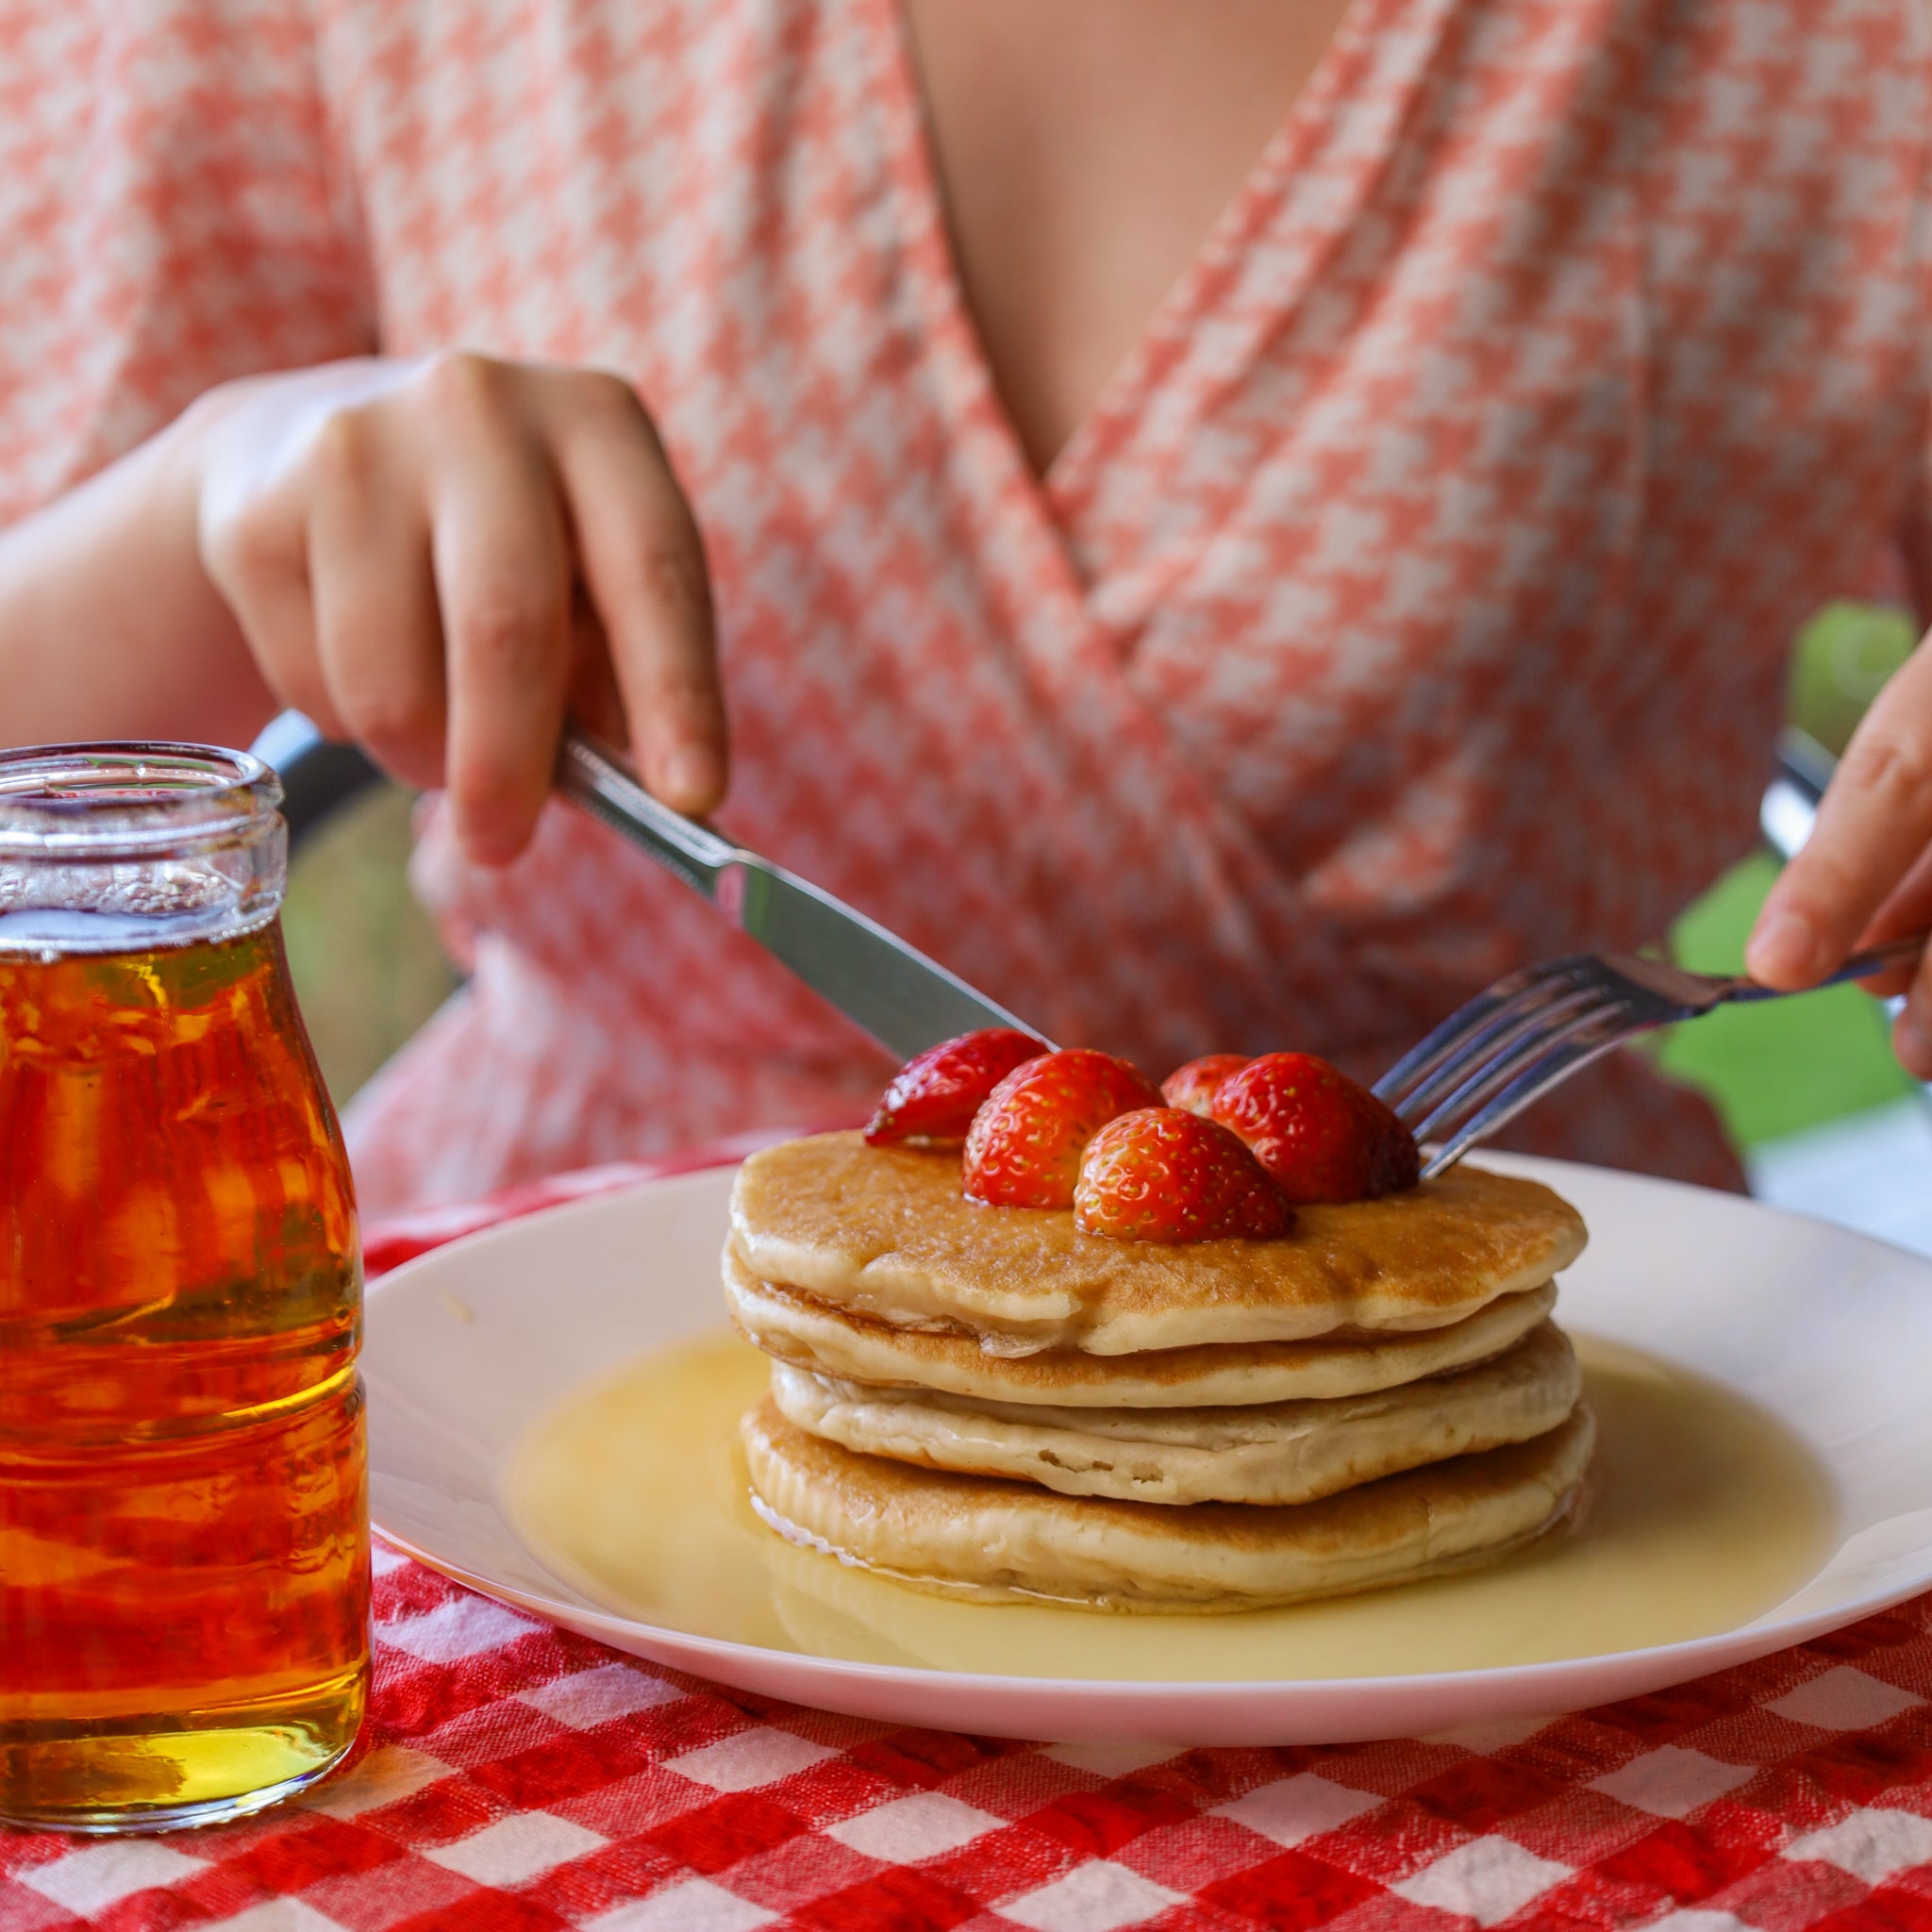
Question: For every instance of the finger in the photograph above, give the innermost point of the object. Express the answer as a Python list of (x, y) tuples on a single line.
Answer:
[(377, 635), (644, 564), (1911, 1032), (502, 579), (595, 700), (257, 555), (1906, 911), (1874, 820)]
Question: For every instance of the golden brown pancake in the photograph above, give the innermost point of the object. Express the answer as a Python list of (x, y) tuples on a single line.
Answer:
[(1274, 1453), (811, 1333), (885, 1232), (1000, 1540)]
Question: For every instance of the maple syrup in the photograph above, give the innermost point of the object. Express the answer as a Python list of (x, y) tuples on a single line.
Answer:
[(184, 1550), (1705, 1512)]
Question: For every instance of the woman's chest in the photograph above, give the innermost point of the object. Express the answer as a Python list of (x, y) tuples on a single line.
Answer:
[(1083, 152)]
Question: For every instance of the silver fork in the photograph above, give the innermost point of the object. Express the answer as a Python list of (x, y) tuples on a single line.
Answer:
[(1532, 1030)]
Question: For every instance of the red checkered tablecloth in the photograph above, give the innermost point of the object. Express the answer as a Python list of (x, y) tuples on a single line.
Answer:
[(514, 1779)]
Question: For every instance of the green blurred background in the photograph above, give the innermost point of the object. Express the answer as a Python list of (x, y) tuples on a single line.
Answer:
[(368, 970)]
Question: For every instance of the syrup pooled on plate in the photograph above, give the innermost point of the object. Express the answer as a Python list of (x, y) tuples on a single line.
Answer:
[(183, 1559), (1706, 1512)]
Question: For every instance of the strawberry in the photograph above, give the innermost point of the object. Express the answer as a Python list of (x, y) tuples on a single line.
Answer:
[(1193, 1086), (1165, 1175), (1025, 1146), (933, 1097), (1320, 1135)]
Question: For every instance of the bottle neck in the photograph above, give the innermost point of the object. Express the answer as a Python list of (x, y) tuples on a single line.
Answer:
[(127, 848)]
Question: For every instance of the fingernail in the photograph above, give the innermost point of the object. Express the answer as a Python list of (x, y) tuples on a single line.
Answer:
[(692, 773), (1784, 947)]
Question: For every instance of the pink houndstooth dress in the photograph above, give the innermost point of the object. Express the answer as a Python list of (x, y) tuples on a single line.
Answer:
[(1412, 602)]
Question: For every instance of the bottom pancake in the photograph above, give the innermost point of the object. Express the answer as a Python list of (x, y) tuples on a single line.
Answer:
[(1274, 1453), (1005, 1541)]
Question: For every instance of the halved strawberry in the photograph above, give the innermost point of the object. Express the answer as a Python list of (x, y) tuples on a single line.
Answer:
[(1321, 1136), (1165, 1175), (1193, 1086), (1025, 1146), (934, 1096)]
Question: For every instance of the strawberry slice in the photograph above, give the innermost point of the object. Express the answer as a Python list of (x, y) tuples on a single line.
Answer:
[(1193, 1086), (1165, 1175), (1321, 1136), (933, 1097), (1025, 1146)]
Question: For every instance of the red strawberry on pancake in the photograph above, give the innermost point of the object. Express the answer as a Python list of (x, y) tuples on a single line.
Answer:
[(1193, 1086), (933, 1097), (1164, 1174), (1321, 1136), (1025, 1146)]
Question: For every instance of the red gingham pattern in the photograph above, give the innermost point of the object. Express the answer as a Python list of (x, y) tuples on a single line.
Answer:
[(1413, 601), (514, 1779)]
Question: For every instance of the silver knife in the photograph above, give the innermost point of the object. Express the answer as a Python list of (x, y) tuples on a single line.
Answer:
[(905, 1001)]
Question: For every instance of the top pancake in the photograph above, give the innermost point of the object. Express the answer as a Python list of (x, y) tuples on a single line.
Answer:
[(886, 1232)]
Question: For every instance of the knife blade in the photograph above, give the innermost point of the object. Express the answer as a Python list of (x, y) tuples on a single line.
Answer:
[(904, 1000)]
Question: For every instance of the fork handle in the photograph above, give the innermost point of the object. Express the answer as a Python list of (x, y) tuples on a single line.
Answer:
[(1859, 966)]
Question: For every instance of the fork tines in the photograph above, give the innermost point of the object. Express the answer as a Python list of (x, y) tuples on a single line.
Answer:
[(1491, 1057)]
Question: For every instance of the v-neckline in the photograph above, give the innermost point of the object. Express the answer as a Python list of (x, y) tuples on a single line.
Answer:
[(1134, 385)]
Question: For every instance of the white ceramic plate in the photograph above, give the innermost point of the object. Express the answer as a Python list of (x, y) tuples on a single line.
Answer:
[(1828, 1330)]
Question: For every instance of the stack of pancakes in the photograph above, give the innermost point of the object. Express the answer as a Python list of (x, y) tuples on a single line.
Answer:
[(986, 1401)]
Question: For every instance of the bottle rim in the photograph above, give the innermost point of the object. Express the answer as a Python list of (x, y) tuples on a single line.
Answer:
[(79, 801)]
